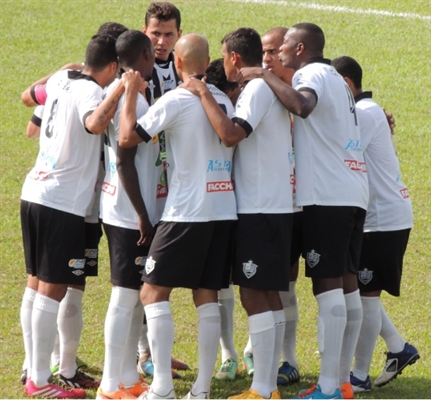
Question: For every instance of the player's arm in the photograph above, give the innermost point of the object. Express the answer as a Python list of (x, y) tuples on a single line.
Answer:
[(33, 95), (391, 121), (33, 126), (298, 103), (97, 121), (129, 178), (230, 132)]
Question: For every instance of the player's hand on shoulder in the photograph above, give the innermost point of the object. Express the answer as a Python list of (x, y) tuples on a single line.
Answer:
[(195, 86), (248, 73), (133, 81)]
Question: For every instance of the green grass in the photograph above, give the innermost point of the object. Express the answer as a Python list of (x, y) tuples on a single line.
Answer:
[(40, 36)]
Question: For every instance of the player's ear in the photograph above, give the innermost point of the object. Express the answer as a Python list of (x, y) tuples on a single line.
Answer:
[(235, 58), (144, 29), (180, 31)]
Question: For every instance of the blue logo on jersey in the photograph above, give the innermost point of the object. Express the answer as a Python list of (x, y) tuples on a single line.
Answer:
[(112, 166), (354, 144), (219, 166), (47, 159)]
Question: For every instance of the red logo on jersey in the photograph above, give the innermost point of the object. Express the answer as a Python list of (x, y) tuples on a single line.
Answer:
[(39, 175), (355, 165), (223, 186), (162, 191), (108, 188), (404, 193)]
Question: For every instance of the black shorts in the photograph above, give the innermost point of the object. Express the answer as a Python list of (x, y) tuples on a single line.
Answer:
[(127, 259), (332, 237), (93, 233), (296, 247), (190, 255), (54, 244), (262, 251), (381, 263)]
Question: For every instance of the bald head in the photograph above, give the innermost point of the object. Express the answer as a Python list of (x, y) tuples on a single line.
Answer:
[(277, 32), (192, 54)]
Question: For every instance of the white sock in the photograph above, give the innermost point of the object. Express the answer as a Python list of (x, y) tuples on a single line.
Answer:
[(143, 345), (394, 341), (351, 334), (370, 329), (25, 316), (331, 323), (248, 349), (117, 328), (262, 335), (161, 340), (226, 302), (69, 329), (279, 324), (129, 374), (291, 313), (208, 341), (44, 328), (55, 355)]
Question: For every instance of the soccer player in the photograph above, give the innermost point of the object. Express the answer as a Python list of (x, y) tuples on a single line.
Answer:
[(332, 188), (128, 210), (191, 244), (388, 221), (54, 202), (263, 186)]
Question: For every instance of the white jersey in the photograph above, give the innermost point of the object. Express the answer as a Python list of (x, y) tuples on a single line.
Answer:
[(116, 207), (389, 208), (330, 166), (65, 172), (263, 161), (199, 165)]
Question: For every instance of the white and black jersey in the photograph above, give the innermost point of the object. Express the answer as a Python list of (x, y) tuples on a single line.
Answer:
[(198, 165), (389, 208), (116, 207), (264, 178), (65, 172), (329, 162)]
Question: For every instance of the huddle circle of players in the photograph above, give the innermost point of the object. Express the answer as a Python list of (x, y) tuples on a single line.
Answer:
[(189, 166)]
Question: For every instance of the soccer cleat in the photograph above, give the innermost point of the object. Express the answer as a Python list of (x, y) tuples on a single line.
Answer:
[(249, 364), (150, 394), (396, 362), (248, 394), (287, 374), (138, 388), (316, 393), (179, 365), (118, 394), (146, 368), (80, 380), (346, 390), (228, 370), (201, 395), (23, 377), (53, 391), (275, 394), (358, 385), (79, 365)]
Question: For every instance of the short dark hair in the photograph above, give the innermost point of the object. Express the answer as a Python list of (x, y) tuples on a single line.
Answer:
[(216, 76), (163, 11), (348, 67), (247, 43), (130, 45), (100, 52), (111, 28), (312, 36)]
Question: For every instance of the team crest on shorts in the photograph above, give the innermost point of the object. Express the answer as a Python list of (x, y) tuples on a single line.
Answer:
[(249, 269), (313, 258), (150, 265), (365, 276)]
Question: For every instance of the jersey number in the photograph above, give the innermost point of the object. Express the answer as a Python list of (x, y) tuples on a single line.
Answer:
[(352, 103), (49, 131)]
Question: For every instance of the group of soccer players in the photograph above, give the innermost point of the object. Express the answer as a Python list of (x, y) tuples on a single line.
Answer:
[(200, 189)]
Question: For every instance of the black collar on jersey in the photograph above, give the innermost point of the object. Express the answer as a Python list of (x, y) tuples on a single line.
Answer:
[(318, 60), (75, 75), (165, 63), (363, 95)]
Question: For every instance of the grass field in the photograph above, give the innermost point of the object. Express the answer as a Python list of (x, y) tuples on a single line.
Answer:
[(391, 40)]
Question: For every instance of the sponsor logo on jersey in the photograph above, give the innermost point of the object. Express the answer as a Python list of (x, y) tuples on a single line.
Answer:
[(356, 165), (141, 260), (365, 276), (112, 166), (249, 268), (404, 193), (354, 144), (108, 188), (312, 258), (162, 191), (91, 253), (92, 263), (150, 265), (39, 175), (78, 272), (168, 83), (222, 186), (77, 263), (219, 166), (47, 159)]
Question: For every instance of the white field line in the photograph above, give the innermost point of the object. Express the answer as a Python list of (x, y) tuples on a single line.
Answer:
[(315, 6)]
